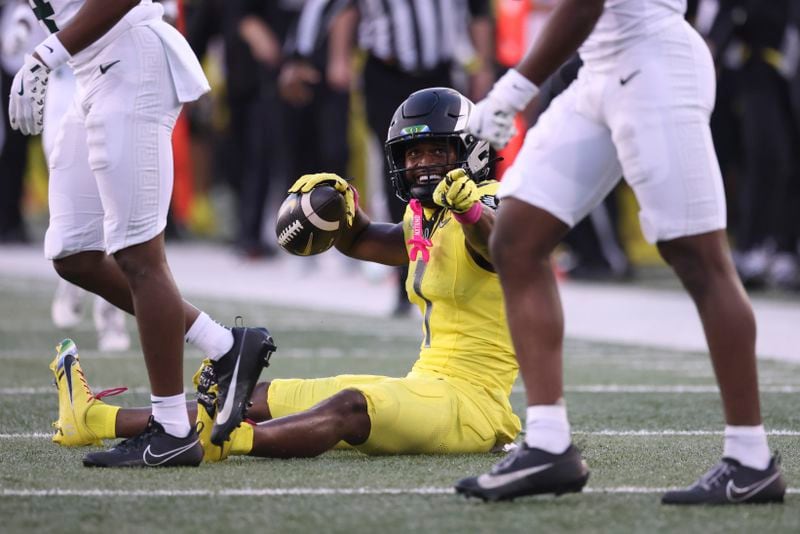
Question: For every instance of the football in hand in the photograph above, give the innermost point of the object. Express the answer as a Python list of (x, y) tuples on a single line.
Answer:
[(308, 223)]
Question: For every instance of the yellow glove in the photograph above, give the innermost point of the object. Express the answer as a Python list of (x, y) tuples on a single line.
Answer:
[(456, 192), (307, 182)]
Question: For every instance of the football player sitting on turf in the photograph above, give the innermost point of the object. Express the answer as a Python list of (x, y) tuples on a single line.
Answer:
[(455, 399)]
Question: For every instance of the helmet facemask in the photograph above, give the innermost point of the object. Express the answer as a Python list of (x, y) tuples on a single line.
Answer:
[(440, 115), (415, 180)]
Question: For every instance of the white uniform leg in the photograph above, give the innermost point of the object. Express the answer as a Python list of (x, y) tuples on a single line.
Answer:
[(659, 120), (131, 110), (60, 93), (76, 213), (567, 164)]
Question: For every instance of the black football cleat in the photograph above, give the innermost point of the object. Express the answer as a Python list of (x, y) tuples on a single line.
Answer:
[(237, 373), (529, 471), (730, 482), (152, 448)]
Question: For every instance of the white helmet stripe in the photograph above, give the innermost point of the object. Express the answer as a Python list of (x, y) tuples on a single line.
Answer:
[(463, 114)]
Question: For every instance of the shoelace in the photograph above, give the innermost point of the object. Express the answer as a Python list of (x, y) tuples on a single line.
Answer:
[(110, 392), (507, 461), (85, 385), (135, 441), (204, 395), (714, 477)]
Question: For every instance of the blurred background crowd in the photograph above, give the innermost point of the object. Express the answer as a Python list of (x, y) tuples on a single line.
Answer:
[(310, 85)]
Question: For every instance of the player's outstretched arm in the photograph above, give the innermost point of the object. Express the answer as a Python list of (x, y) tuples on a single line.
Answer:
[(359, 238), (369, 241)]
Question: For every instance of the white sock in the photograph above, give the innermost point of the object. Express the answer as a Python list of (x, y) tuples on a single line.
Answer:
[(547, 428), (210, 337), (748, 445), (171, 413)]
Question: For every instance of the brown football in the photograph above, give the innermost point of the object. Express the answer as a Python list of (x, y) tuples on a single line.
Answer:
[(308, 223)]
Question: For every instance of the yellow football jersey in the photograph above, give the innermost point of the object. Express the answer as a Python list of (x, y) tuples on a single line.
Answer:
[(464, 330), (455, 399)]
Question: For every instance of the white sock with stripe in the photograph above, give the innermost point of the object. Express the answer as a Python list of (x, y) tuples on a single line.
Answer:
[(747, 445), (547, 428), (171, 413), (210, 337)]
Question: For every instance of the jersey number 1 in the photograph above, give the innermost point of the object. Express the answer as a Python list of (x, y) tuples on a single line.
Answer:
[(43, 10)]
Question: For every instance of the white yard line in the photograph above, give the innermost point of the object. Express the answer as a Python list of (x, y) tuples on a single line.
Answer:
[(288, 492), (324, 353), (47, 390), (606, 432), (646, 388), (589, 388), (780, 432)]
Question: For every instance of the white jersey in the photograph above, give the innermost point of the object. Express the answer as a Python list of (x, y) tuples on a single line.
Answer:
[(625, 22), (187, 74), (54, 15)]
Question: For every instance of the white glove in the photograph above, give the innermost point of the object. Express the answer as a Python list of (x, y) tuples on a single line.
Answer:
[(493, 117), (493, 121), (26, 102)]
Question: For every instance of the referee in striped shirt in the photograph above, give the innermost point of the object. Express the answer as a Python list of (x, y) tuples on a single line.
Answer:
[(410, 45)]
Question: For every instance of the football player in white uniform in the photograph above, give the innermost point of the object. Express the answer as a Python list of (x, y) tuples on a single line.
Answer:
[(640, 109), (110, 187), (21, 33)]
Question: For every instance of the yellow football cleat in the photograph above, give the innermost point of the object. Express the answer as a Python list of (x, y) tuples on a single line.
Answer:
[(205, 383), (241, 439), (211, 453), (74, 398)]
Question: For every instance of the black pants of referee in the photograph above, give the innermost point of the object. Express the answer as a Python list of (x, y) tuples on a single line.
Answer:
[(768, 191), (315, 134)]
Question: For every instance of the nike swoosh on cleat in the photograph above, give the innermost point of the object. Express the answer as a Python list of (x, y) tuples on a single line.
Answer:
[(47, 47), (104, 68), (227, 408), (737, 494), (165, 456), (489, 481), (21, 87)]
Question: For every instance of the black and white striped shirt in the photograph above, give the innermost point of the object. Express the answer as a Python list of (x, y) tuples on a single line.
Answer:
[(414, 35)]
